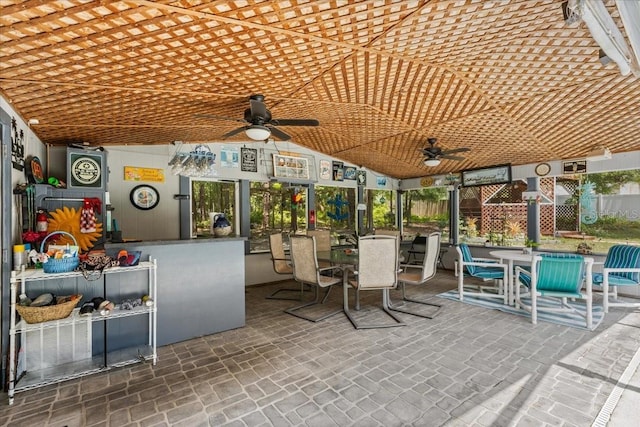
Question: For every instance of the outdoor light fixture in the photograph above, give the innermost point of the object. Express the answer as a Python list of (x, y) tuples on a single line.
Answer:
[(432, 162), (605, 32), (598, 153), (258, 132)]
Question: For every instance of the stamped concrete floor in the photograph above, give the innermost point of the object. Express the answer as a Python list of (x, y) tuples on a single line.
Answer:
[(467, 367)]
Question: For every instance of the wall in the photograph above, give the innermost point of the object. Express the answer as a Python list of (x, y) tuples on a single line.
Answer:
[(162, 222)]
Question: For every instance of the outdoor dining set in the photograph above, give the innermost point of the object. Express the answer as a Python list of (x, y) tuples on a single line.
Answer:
[(533, 283)]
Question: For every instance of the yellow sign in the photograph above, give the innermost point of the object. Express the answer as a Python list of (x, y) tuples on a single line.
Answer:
[(132, 173)]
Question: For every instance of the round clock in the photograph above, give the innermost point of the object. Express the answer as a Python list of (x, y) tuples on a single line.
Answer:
[(144, 197), (543, 169), (427, 181), (85, 170)]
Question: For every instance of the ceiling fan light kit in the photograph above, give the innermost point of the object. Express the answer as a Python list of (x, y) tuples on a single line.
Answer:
[(432, 162), (258, 123), (258, 132)]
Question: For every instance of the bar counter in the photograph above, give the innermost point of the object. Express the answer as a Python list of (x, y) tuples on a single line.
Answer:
[(201, 284)]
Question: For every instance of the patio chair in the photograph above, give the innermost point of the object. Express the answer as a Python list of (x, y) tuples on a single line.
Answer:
[(483, 269), (417, 250), (377, 270), (282, 265), (556, 276), (411, 274), (621, 268), (323, 243), (307, 272), (396, 234)]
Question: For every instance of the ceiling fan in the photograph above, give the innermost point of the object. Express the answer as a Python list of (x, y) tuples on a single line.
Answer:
[(259, 124), (433, 155)]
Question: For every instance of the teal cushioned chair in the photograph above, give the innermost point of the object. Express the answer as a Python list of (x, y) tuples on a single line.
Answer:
[(621, 268), (556, 276), (483, 269)]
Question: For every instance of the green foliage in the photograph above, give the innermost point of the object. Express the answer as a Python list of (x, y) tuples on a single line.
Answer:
[(610, 182), (613, 227)]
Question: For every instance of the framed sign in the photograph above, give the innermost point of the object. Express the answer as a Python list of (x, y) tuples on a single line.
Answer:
[(144, 197), (499, 174), (290, 167), (249, 160), (578, 166), (338, 171), (86, 169)]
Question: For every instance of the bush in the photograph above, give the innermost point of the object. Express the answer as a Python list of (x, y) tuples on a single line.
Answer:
[(610, 226)]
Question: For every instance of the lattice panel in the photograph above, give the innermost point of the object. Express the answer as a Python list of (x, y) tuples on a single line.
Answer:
[(507, 79)]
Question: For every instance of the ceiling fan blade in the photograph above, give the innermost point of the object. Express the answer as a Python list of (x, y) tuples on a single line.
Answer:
[(296, 122), (456, 150), (211, 116), (450, 157), (234, 132), (279, 134), (258, 109)]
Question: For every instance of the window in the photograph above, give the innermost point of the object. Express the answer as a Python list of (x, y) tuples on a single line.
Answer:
[(207, 199), (426, 210), (336, 209), (275, 207)]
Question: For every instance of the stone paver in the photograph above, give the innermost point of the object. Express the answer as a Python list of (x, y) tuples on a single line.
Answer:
[(468, 366)]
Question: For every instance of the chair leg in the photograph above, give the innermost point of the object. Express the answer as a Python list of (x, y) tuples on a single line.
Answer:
[(385, 308), (316, 301), (274, 295), (394, 307)]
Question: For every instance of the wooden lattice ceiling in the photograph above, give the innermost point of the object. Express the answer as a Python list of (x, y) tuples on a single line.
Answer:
[(508, 79)]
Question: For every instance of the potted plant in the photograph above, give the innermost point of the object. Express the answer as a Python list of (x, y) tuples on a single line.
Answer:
[(529, 245)]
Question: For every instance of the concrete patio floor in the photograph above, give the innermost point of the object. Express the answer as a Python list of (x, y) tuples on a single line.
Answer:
[(469, 366)]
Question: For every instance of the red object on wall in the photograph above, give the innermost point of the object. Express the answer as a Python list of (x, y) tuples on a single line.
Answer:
[(312, 217)]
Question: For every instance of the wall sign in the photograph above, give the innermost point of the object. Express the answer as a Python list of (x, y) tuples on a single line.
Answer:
[(361, 178), (86, 169), (578, 166), (249, 160), (350, 173), (290, 167), (500, 174), (338, 171), (17, 145), (325, 169), (132, 173)]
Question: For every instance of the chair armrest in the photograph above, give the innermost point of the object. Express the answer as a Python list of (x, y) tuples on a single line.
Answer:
[(486, 264), (489, 260), (280, 259), (620, 270), (405, 266)]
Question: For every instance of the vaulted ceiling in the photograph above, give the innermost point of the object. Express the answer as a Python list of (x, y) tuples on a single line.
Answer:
[(508, 79)]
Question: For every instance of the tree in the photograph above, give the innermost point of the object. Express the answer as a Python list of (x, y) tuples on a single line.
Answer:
[(610, 182)]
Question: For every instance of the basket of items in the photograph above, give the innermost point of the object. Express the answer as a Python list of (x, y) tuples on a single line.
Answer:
[(60, 259), (47, 307)]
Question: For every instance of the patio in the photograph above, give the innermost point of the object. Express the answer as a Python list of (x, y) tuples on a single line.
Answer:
[(468, 366)]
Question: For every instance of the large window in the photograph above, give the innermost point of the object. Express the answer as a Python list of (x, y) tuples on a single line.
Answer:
[(275, 207), (578, 213), (208, 199), (426, 210), (336, 209)]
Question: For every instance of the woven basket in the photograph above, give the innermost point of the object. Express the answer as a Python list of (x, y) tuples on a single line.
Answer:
[(50, 312), (62, 265)]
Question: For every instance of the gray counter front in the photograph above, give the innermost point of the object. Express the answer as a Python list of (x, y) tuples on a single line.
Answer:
[(200, 285)]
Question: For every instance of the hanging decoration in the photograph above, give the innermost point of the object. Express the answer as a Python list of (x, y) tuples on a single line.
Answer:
[(339, 213), (199, 162), (68, 219), (588, 211)]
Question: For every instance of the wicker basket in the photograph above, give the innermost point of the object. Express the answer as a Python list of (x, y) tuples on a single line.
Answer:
[(62, 265), (50, 312)]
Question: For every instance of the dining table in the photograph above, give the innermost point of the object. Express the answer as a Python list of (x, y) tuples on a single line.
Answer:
[(345, 258), (512, 256)]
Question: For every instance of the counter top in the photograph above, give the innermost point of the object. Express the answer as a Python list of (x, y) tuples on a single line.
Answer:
[(174, 242)]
